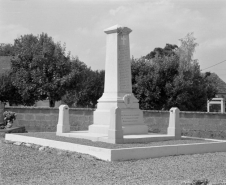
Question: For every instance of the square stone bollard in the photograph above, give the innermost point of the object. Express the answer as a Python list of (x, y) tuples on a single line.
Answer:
[(63, 125), (174, 123), (115, 132)]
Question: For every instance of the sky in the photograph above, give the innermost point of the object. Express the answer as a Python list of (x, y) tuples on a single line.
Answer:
[(80, 24)]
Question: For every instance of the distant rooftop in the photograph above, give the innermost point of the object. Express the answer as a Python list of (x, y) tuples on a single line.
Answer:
[(221, 85)]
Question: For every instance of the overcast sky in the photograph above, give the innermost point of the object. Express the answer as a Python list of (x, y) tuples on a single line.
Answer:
[(80, 24)]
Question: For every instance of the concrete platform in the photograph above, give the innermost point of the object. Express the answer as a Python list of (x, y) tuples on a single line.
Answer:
[(127, 153), (142, 138)]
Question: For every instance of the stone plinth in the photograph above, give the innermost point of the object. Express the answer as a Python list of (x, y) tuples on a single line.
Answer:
[(118, 87)]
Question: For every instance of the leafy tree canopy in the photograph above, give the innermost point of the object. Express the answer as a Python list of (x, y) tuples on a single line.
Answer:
[(8, 92), (6, 50), (172, 79), (91, 89), (41, 69), (168, 50), (164, 78)]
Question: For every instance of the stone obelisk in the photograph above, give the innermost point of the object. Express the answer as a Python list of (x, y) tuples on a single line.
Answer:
[(118, 87)]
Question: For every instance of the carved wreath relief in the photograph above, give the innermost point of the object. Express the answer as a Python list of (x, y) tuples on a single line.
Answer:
[(128, 100)]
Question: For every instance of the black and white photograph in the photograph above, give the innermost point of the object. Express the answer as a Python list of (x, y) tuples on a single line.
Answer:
[(112, 92)]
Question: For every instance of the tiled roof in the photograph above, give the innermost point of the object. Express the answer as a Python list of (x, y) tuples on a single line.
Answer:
[(4, 63), (221, 85)]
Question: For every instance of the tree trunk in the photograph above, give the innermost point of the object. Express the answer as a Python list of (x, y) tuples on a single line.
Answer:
[(51, 103)]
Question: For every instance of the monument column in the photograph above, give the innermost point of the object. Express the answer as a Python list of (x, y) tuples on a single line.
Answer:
[(118, 86)]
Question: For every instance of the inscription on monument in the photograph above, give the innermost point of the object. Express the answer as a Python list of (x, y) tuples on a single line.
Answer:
[(124, 66), (130, 118)]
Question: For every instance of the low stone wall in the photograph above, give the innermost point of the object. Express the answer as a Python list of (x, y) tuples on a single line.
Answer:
[(197, 124), (44, 119)]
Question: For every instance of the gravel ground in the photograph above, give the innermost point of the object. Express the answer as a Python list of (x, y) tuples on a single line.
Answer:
[(22, 165), (52, 136)]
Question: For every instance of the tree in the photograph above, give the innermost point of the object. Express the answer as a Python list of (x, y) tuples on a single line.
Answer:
[(164, 80), (186, 51), (42, 69), (90, 90), (168, 50), (149, 80), (93, 89), (190, 90), (6, 50), (8, 92)]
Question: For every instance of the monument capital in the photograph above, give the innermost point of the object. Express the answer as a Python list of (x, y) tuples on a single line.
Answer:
[(118, 29)]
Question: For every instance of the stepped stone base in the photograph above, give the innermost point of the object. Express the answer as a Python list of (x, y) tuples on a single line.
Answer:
[(131, 119), (141, 138), (127, 129)]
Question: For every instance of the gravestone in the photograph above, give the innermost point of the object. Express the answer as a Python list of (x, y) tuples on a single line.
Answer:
[(118, 87)]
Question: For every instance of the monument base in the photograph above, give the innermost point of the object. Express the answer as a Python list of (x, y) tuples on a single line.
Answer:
[(132, 122), (127, 129), (141, 138)]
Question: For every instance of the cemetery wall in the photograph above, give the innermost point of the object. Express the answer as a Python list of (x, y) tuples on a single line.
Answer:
[(39, 119), (44, 119), (197, 124)]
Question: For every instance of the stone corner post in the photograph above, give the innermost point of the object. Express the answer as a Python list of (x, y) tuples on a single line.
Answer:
[(115, 132), (63, 125), (208, 105), (223, 105), (174, 123)]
